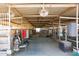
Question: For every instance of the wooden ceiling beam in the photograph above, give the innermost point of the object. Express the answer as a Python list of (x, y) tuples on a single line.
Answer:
[(39, 21), (37, 15), (40, 5), (68, 9), (22, 16), (17, 12), (31, 23)]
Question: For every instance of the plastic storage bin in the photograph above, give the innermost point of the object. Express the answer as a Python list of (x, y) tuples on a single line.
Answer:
[(75, 52), (65, 46)]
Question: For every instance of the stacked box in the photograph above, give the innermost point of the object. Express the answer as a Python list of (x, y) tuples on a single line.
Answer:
[(65, 46)]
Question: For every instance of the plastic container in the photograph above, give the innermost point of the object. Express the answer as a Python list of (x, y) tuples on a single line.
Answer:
[(75, 52), (65, 46)]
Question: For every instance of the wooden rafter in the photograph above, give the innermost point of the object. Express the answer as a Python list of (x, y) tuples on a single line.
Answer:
[(68, 9), (17, 12), (21, 15), (31, 23)]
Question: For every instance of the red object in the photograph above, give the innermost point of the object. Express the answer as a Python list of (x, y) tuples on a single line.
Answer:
[(23, 34)]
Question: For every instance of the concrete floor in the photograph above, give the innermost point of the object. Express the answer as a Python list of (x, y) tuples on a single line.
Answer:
[(42, 46)]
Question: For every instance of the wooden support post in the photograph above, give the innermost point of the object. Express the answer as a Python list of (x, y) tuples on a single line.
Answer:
[(53, 31), (59, 28), (9, 51), (9, 25), (66, 33), (77, 27)]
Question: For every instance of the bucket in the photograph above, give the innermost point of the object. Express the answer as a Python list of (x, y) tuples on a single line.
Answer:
[(75, 52)]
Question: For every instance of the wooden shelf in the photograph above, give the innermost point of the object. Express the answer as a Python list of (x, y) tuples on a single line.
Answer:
[(74, 47), (72, 40), (3, 35), (4, 27)]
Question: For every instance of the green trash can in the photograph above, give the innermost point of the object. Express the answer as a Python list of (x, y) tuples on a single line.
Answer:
[(75, 52)]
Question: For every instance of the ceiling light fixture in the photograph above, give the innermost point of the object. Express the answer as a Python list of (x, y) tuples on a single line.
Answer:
[(43, 11)]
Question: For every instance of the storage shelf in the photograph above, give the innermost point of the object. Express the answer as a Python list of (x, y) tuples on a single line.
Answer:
[(72, 40), (4, 27), (4, 35), (74, 47)]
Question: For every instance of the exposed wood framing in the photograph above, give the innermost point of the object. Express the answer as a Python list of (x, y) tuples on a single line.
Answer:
[(68, 17), (46, 5), (18, 12), (77, 28), (68, 9)]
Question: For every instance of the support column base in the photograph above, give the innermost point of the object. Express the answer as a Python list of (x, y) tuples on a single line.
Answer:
[(9, 52)]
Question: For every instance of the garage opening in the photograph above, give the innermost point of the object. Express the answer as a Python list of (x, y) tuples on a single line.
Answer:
[(39, 29)]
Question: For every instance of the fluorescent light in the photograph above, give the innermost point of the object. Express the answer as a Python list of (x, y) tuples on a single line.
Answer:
[(43, 13)]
